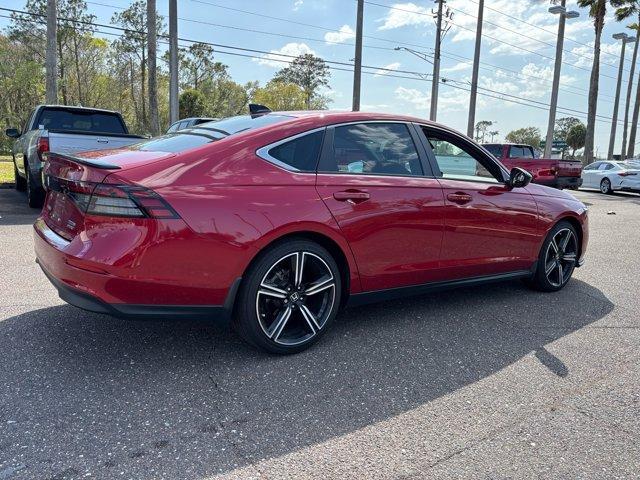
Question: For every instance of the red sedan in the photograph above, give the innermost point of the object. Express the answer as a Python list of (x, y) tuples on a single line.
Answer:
[(275, 221)]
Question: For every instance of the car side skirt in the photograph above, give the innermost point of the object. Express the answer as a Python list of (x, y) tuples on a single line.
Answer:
[(413, 290)]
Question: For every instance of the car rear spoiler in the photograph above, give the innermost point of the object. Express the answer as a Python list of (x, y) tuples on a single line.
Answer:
[(95, 163)]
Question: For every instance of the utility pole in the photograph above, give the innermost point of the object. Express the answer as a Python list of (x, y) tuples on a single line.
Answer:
[(562, 12), (51, 66), (614, 119), (474, 74), (151, 61), (357, 69), (436, 64), (623, 151), (174, 106)]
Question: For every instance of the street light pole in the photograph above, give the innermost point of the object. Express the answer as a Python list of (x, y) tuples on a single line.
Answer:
[(562, 11), (623, 151), (474, 74), (436, 65), (174, 105), (357, 70), (614, 119)]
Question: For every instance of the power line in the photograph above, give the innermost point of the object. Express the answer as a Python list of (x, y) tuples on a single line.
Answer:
[(390, 72), (567, 88), (518, 47)]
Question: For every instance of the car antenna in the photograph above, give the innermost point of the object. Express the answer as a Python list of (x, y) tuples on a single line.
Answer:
[(256, 110)]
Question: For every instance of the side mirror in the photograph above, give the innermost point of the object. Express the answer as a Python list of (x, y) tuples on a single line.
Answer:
[(12, 132), (519, 177)]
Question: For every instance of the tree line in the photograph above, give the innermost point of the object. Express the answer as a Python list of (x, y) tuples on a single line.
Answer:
[(113, 74)]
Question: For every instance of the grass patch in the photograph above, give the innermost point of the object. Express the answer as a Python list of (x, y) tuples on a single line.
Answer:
[(6, 170)]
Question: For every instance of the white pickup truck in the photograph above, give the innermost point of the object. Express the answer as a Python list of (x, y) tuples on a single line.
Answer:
[(62, 129)]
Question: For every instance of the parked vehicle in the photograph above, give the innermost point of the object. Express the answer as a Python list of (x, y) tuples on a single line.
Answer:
[(610, 176), (188, 123), (61, 129), (275, 221), (552, 172)]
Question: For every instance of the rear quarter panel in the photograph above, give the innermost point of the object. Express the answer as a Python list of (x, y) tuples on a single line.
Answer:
[(236, 203)]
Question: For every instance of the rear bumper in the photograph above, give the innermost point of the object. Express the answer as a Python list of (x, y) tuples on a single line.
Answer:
[(91, 291), (561, 182)]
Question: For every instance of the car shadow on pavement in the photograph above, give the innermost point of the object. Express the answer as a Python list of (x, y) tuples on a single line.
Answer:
[(83, 392)]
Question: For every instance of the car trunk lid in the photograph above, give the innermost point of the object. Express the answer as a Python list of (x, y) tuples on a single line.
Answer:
[(71, 181)]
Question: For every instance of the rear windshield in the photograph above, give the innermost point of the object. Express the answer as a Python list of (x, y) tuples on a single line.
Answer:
[(80, 121), (495, 150), (204, 133)]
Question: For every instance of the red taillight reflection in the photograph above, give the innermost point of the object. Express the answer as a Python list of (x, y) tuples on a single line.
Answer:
[(43, 149)]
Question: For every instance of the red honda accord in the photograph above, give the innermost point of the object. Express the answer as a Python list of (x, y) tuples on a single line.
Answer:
[(276, 220)]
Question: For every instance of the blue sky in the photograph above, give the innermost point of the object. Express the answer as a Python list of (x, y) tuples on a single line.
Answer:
[(518, 50)]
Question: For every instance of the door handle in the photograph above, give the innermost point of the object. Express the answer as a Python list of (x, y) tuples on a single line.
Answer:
[(459, 197), (351, 196), (102, 140)]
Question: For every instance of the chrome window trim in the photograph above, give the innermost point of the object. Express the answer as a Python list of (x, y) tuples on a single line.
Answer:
[(263, 152)]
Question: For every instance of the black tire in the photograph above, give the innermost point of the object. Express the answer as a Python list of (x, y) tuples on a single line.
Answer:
[(547, 277), (19, 183), (35, 193), (605, 186), (258, 312)]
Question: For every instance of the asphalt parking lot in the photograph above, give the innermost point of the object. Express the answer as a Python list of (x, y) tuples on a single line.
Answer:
[(492, 382)]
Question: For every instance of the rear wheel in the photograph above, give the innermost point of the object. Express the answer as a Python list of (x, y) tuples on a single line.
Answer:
[(35, 193), (605, 186), (289, 297), (557, 259), (20, 183)]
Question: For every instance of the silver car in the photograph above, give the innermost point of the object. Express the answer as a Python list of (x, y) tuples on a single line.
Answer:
[(610, 176)]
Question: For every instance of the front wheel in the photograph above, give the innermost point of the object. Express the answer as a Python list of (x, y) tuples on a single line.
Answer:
[(557, 259), (289, 297), (605, 186)]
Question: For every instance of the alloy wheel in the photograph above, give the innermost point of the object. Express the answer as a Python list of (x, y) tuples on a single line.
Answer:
[(295, 298), (560, 258), (605, 186)]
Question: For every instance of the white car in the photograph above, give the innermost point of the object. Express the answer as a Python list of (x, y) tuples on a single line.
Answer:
[(611, 176)]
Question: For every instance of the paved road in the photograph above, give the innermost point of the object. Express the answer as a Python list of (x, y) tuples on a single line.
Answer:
[(494, 382)]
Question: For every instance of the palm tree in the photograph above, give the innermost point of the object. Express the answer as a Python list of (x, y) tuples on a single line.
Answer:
[(597, 10), (624, 10)]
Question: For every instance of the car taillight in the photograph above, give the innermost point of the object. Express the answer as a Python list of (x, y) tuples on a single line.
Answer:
[(114, 200), (43, 149), (626, 174)]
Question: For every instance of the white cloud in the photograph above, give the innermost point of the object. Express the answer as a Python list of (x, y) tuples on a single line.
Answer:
[(584, 53), (385, 70), (448, 101), (457, 67), (279, 58), (504, 36), (402, 14), (297, 4), (417, 98), (345, 33)]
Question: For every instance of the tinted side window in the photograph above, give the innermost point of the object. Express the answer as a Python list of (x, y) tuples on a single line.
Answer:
[(373, 148), (458, 160), (300, 153), (173, 127), (516, 152), (527, 152), (495, 150)]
